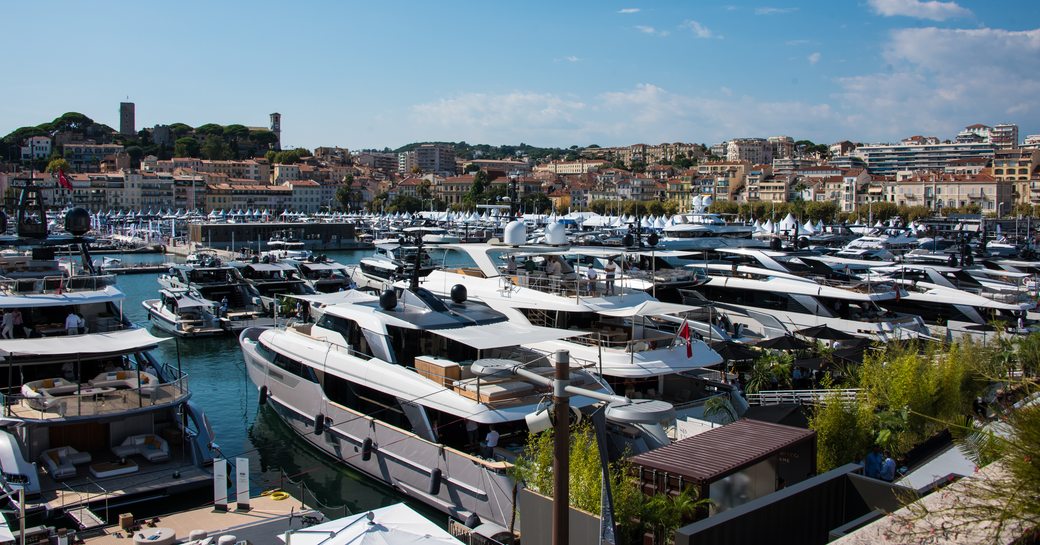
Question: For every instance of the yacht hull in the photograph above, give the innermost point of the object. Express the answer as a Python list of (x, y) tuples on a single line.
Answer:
[(451, 481)]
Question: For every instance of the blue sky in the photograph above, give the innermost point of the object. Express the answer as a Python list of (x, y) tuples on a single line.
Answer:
[(375, 74)]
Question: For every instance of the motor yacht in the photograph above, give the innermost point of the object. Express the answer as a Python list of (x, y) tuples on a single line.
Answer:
[(322, 274), (775, 293), (398, 387), (182, 313), (272, 278), (89, 417), (212, 280)]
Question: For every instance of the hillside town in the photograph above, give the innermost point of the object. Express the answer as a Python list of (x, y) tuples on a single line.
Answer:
[(985, 169)]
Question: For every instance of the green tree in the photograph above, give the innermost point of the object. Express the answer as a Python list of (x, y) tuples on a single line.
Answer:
[(186, 147), (58, 164), (844, 432), (215, 148), (345, 193)]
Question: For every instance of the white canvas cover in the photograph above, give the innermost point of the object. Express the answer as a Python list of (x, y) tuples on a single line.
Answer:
[(503, 334), (109, 293), (648, 308), (115, 342), (394, 524)]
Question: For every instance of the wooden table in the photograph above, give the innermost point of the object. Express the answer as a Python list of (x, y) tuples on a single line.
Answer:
[(103, 470)]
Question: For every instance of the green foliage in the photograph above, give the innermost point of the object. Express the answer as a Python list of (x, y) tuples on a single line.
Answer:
[(287, 157), (215, 148), (58, 164), (534, 469), (209, 129), (536, 202), (771, 368), (186, 147), (180, 129), (843, 432)]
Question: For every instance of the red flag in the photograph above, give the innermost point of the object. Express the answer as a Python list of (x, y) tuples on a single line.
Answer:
[(63, 180), (684, 332)]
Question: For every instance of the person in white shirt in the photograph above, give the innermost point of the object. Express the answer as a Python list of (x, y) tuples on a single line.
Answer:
[(72, 324), (8, 325), (490, 442), (592, 275)]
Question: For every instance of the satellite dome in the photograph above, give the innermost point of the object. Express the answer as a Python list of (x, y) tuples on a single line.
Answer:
[(556, 234), (515, 233)]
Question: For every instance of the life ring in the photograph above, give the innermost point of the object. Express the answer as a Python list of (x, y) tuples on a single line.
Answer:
[(279, 495)]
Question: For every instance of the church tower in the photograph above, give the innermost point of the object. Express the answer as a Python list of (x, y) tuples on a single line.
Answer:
[(276, 128)]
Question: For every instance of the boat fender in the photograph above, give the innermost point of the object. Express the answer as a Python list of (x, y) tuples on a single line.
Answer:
[(727, 325), (319, 424), (472, 521), (366, 449), (969, 260), (803, 243), (263, 396), (952, 261), (435, 481)]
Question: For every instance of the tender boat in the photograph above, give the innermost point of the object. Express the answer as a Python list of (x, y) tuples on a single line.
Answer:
[(180, 312)]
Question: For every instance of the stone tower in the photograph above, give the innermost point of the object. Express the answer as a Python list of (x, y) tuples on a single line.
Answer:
[(126, 118), (276, 128)]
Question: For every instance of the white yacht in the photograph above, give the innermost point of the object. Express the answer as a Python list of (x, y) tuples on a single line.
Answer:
[(286, 249), (776, 293), (215, 281), (182, 313), (322, 274), (961, 307), (398, 387), (272, 278), (89, 417), (626, 336)]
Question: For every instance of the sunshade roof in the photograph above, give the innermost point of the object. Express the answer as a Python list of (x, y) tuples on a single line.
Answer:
[(648, 308), (115, 342), (502, 334), (109, 293)]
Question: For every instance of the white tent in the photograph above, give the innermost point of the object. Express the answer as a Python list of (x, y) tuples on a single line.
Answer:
[(808, 228), (768, 227), (395, 524)]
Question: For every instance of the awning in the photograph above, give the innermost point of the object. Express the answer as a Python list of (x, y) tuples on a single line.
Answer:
[(348, 296), (115, 342), (648, 308), (266, 267), (109, 293), (322, 266), (502, 334)]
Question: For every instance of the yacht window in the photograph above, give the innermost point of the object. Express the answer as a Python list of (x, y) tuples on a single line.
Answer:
[(368, 401), (351, 332), (296, 368)]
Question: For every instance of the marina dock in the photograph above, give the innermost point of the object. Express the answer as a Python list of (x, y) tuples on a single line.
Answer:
[(260, 525)]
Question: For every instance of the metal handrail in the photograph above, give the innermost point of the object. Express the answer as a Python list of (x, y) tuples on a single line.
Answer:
[(810, 397)]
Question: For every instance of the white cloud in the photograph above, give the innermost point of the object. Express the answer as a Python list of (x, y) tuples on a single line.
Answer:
[(645, 112), (568, 58), (942, 79), (698, 29), (651, 30), (933, 10), (798, 42), (773, 11), (814, 57), (628, 10)]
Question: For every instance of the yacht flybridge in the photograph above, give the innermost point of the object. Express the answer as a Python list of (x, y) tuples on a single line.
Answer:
[(393, 386)]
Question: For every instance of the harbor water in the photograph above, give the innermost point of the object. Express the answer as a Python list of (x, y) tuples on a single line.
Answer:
[(219, 384)]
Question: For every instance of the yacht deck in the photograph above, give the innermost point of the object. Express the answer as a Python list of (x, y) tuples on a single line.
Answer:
[(150, 479)]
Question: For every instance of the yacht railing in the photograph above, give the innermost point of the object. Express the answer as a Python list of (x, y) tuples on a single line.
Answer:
[(55, 284), (91, 401)]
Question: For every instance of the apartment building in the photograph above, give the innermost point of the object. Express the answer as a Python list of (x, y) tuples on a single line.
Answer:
[(88, 157), (581, 166), (753, 150), (36, 147), (1017, 166), (940, 190), (1004, 136), (892, 158), (428, 158), (783, 146), (245, 196)]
